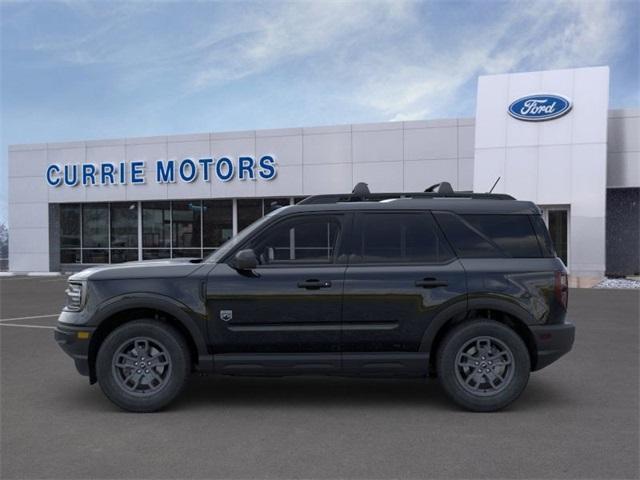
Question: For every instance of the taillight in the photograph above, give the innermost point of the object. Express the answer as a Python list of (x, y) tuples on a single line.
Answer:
[(562, 288)]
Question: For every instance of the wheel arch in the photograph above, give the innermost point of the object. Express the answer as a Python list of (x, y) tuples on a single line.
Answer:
[(499, 310), (155, 307)]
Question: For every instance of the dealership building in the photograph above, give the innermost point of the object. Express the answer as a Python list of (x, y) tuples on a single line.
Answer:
[(548, 137)]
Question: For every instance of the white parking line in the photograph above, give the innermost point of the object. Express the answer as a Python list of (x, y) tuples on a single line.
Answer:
[(25, 326), (28, 318)]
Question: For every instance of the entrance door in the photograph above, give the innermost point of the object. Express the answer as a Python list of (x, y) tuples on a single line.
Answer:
[(557, 220)]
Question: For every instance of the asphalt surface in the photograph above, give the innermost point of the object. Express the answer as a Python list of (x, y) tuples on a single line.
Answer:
[(578, 418)]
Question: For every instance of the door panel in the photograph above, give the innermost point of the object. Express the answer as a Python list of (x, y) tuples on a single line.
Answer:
[(292, 302), (270, 312), (402, 274), (388, 309)]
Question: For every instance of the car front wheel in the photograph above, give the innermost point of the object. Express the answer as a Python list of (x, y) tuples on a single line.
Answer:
[(483, 365), (143, 365)]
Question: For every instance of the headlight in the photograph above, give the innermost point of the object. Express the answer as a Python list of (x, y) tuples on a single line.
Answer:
[(75, 296)]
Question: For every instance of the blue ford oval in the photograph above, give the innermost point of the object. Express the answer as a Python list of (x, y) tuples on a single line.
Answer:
[(536, 108)]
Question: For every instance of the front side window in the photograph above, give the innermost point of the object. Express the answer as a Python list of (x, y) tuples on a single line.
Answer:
[(301, 240), (399, 237)]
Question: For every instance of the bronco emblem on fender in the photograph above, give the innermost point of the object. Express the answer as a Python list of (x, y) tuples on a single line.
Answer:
[(226, 315)]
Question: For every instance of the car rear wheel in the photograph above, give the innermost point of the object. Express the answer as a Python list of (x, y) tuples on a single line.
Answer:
[(483, 365), (143, 365)]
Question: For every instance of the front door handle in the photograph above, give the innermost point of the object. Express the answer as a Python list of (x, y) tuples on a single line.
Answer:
[(314, 284), (431, 283)]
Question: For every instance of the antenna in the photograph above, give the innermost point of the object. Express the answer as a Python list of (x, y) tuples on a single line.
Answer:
[(494, 185)]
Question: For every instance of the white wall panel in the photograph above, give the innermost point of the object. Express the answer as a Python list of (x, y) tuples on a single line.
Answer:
[(194, 150), (287, 149), (431, 143), (521, 172), (554, 175), (377, 146), (29, 262), (623, 169), (418, 175), (27, 163), (334, 178), (114, 153), (327, 148), (28, 190), (491, 101), (381, 176), (590, 105), (149, 153)]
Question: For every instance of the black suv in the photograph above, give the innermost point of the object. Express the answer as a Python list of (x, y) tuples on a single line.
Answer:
[(462, 286)]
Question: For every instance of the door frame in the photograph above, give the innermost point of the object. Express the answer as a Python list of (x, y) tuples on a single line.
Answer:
[(545, 216)]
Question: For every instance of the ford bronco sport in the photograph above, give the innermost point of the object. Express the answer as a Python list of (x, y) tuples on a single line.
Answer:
[(462, 286)]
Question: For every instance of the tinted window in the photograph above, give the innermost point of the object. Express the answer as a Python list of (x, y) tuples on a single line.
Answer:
[(249, 210), (467, 241), (543, 236), (308, 239), (217, 222), (482, 236), (401, 238), (95, 226), (513, 234)]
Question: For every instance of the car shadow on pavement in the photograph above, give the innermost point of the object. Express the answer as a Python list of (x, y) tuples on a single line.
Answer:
[(312, 392)]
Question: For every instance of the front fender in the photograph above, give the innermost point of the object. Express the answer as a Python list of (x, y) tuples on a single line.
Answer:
[(195, 324)]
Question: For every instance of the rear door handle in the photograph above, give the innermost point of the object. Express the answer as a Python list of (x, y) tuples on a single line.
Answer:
[(314, 284), (431, 283)]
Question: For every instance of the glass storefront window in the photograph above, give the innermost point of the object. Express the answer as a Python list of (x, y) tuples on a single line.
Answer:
[(249, 210), (70, 233), (95, 255), (270, 203), (69, 226), (95, 226), (217, 222), (186, 227), (108, 232), (156, 225), (124, 225), (156, 230), (124, 255)]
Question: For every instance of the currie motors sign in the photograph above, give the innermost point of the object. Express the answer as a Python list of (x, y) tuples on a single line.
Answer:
[(188, 170), (536, 108)]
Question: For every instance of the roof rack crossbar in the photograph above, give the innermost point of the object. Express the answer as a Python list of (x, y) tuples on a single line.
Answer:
[(361, 193)]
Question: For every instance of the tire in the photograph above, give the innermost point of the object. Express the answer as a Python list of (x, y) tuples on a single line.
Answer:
[(143, 365), (483, 365)]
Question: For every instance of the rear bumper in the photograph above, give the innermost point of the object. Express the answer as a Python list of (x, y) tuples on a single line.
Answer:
[(552, 342), (74, 345)]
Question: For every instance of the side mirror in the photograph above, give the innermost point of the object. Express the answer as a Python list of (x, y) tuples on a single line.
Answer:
[(245, 260)]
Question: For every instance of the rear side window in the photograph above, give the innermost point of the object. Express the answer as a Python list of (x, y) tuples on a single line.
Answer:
[(483, 236), (513, 234), (401, 238), (544, 239)]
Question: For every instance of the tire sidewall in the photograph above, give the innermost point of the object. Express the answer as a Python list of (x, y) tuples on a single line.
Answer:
[(177, 349), (446, 365)]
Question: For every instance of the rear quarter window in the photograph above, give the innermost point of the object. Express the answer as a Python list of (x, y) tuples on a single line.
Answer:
[(489, 235)]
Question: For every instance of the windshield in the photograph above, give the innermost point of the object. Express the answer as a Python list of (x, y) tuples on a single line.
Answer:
[(230, 244)]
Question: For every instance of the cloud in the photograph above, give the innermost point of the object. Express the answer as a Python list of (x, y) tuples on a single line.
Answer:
[(535, 36)]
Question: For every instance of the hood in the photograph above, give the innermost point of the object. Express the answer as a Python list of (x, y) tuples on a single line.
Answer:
[(164, 268)]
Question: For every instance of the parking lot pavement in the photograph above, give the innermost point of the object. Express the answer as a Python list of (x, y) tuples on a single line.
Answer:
[(577, 418)]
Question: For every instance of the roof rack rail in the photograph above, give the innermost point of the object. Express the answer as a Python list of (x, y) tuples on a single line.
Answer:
[(361, 193)]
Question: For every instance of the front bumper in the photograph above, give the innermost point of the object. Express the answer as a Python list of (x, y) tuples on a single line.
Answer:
[(552, 342), (74, 340)]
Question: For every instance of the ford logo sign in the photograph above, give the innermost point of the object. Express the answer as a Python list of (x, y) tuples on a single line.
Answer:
[(536, 108)]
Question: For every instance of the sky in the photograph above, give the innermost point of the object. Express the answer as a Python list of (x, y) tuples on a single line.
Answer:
[(75, 70)]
